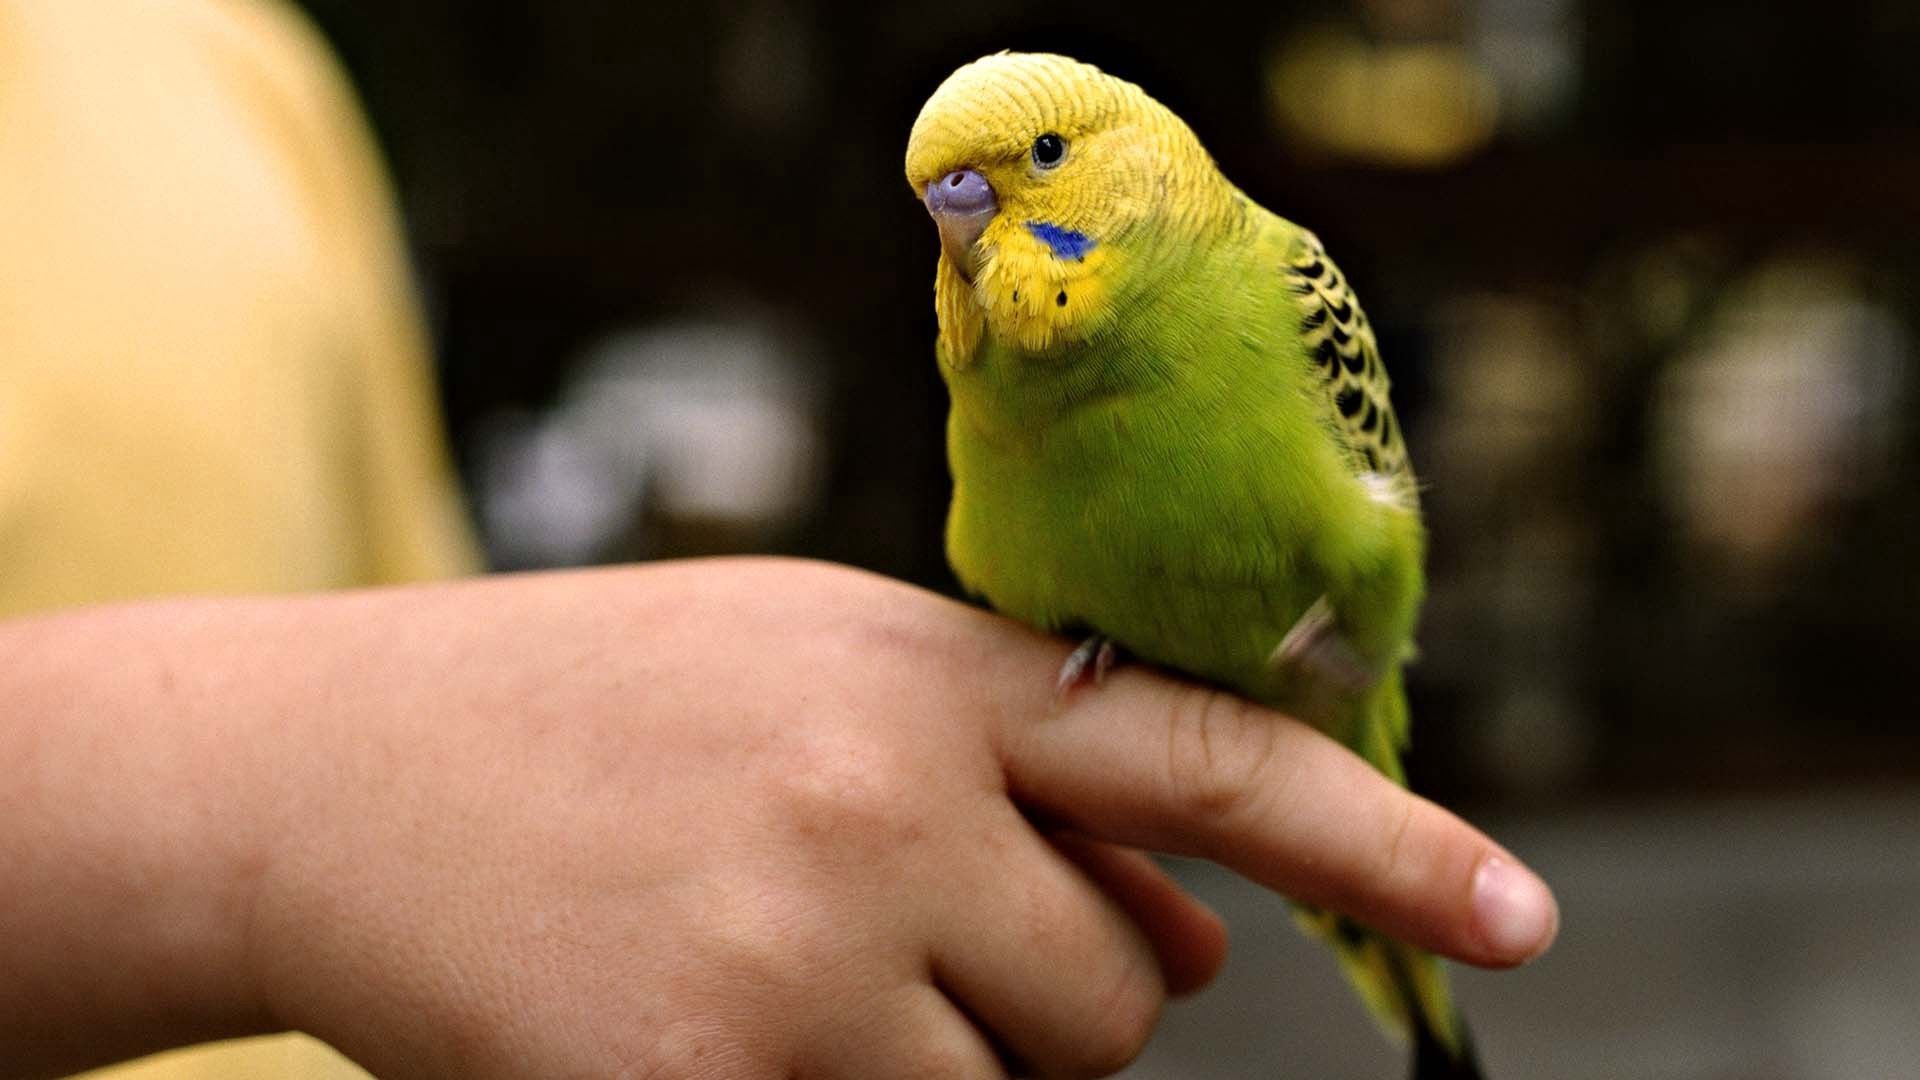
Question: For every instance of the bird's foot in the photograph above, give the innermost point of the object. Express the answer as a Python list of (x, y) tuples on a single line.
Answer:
[(1088, 663), (1316, 649)]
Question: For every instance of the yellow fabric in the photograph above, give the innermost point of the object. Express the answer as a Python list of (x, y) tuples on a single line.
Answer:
[(270, 1057), (212, 371)]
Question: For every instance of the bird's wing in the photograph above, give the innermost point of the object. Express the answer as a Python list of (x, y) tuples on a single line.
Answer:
[(1346, 361)]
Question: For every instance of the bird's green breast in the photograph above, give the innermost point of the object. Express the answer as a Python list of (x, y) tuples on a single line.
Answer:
[(1169, 485)]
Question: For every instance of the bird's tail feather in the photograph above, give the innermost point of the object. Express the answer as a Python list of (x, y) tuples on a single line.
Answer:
[(1407, 991), (1405, 988)]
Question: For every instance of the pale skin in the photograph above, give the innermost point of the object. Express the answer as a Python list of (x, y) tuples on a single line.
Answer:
[(722, 819)]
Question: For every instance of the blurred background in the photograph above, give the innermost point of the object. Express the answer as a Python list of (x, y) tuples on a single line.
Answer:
[(1646, 278), (1644, 275)]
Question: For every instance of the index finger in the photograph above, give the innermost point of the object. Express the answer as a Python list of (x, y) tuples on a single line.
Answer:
[(1148, 761)]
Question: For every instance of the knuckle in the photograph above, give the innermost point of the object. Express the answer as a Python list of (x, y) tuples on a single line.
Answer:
[(1125, 1021), (697, 1049), (1110, 1003), (1395, 864), (1220, 753), (759, 936), (947, 1060), (850, 796)]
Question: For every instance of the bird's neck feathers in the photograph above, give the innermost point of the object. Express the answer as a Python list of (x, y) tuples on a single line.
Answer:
[(1161, 357), (1040, 287), (1044, 328)]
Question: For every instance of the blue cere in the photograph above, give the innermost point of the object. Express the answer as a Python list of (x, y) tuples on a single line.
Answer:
[(1066, 243)]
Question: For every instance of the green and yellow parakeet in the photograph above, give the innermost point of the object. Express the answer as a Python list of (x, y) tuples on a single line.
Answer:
[(1170, 428)]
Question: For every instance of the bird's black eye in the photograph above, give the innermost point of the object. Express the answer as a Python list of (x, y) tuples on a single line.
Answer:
[(1049, 150)]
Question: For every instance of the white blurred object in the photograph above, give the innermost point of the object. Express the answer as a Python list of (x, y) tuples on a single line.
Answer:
[(1532, 50), (1788, 407), (716, 422)]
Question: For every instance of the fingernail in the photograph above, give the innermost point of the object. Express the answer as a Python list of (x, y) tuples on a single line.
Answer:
[(1513, 910)]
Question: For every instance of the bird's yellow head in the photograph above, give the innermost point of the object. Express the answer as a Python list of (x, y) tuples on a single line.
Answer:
[(1052, 184)]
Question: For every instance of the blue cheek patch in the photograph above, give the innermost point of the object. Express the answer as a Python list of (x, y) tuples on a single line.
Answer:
[(1066, 243)]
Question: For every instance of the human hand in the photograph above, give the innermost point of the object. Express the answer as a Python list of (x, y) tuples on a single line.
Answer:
[(764, 819)]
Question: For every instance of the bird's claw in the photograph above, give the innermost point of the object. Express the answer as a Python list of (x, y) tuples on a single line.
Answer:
[(1090, 662), (1315, 646)]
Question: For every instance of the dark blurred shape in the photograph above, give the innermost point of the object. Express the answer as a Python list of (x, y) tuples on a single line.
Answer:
[(765, 70), (1532, 48), (1512, 421)]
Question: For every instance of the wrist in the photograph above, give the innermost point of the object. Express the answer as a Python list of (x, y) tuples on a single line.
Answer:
[(131, 835)]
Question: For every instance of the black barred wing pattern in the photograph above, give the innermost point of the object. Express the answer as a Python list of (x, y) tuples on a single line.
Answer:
[(1347, 361)]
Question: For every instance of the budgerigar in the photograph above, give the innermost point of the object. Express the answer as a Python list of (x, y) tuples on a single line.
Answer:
[(1170, 430)]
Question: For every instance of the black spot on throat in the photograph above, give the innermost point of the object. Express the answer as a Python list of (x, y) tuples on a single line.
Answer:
[(1061, 300)]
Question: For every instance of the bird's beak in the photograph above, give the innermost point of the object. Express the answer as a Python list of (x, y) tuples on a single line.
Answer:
[(961, 202)]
